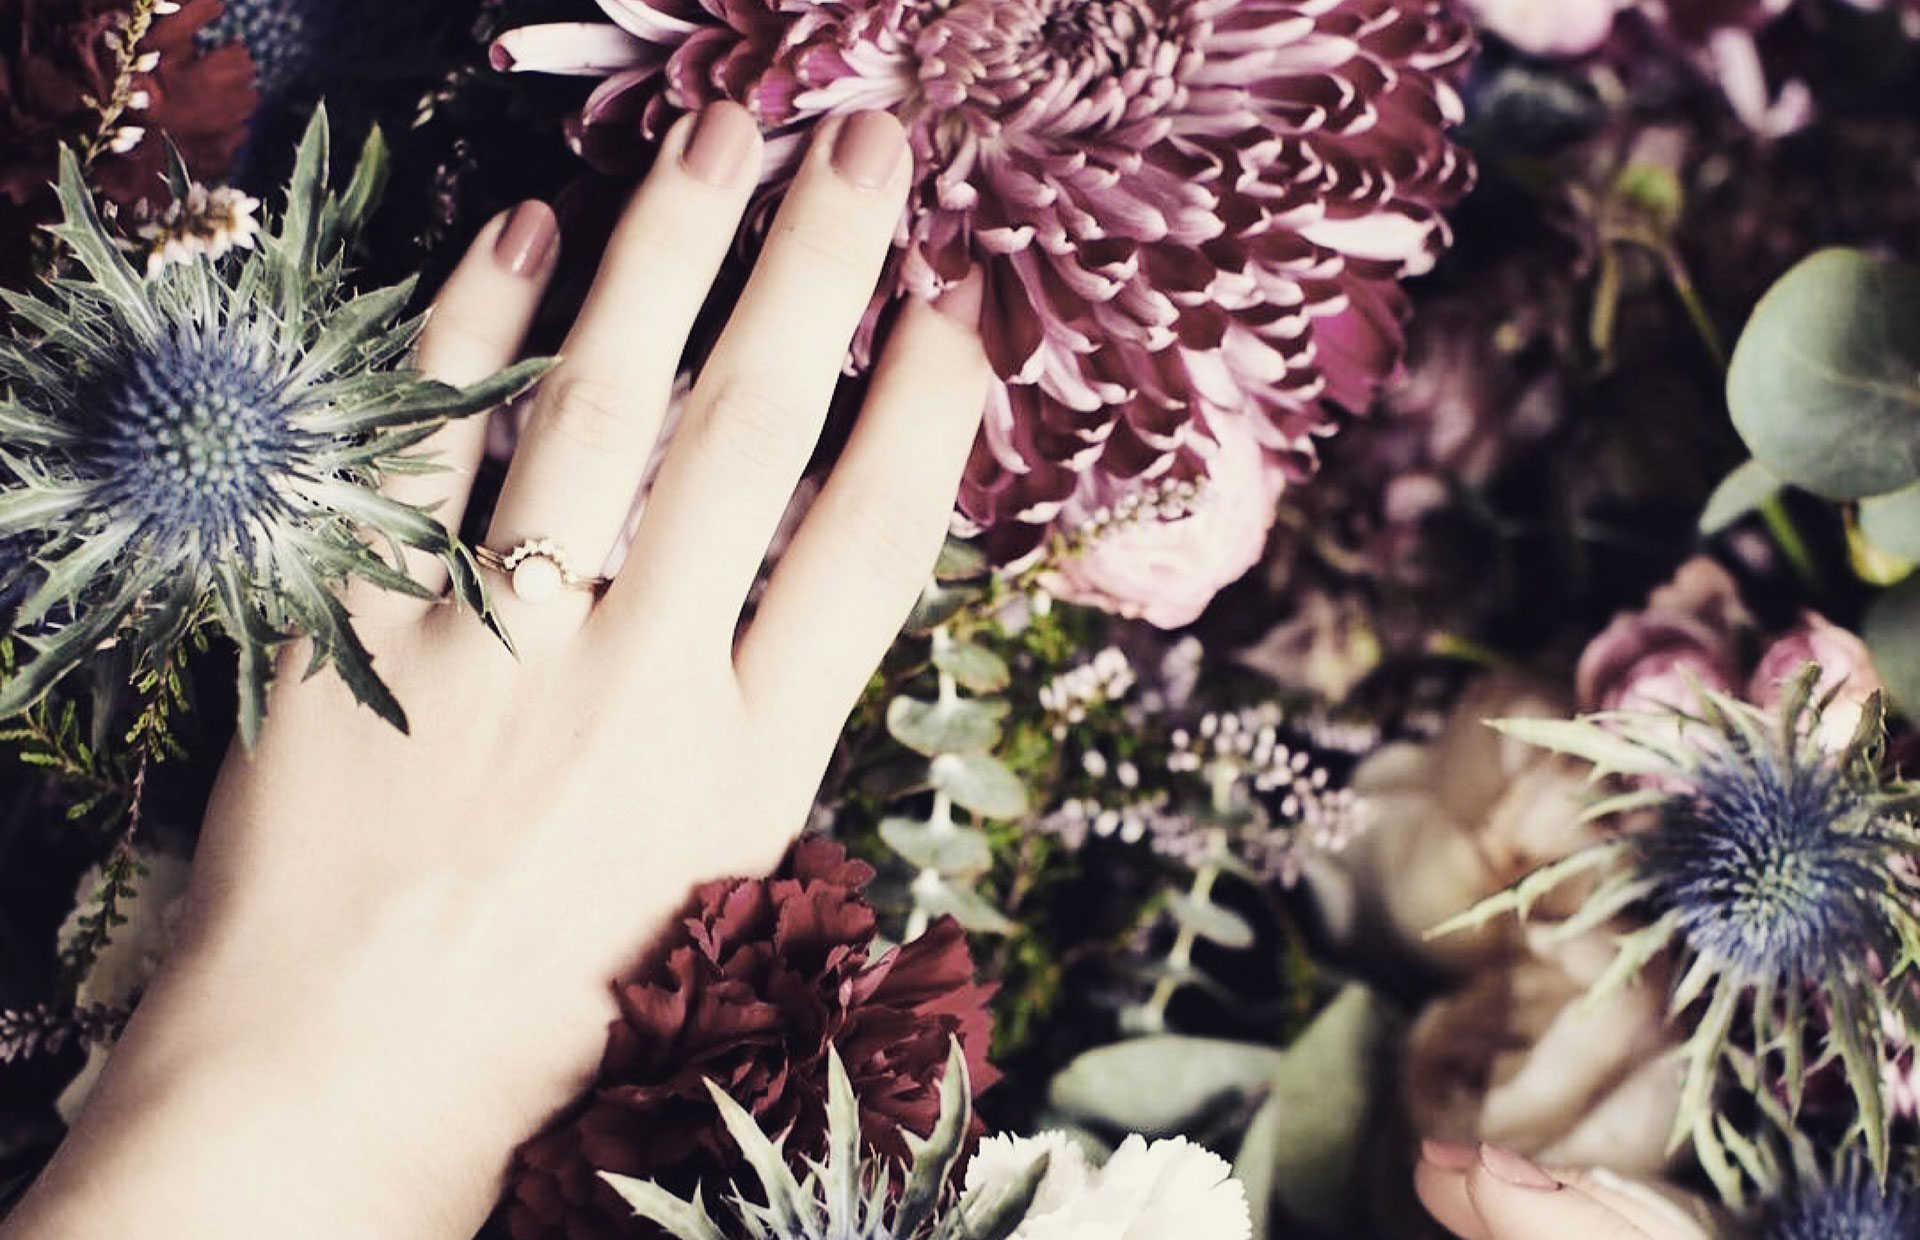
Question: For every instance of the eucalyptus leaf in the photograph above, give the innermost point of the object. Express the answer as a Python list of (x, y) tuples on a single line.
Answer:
[(958, 725), (1212, 921), (950, 849), (1892, 522), (979, 783), (977, 669), (1304, 1143), (1739, 493), (938, 604), (1825, 382), (975, 913), (1162, 1084), (960, 561), (1892, 632)]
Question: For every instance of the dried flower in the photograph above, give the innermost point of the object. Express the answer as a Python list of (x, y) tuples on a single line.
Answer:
[(202, 447), (205, 223), (1776, 868), (772, 972), (1188, 214)]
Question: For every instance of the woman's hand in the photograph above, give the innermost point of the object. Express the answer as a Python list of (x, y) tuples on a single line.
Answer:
[(1487, 1193), (399, 948)]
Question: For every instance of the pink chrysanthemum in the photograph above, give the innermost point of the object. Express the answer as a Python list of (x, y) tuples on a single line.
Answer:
[(1186, 210)]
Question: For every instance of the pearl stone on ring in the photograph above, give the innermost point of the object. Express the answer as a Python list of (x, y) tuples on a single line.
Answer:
[(538, 570)]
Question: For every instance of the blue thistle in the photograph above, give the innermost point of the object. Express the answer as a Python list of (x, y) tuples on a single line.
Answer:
[(1772, 868), (1855, 1206), (206, 444)]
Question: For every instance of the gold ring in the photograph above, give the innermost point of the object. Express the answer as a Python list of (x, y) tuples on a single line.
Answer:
[(539, 570)]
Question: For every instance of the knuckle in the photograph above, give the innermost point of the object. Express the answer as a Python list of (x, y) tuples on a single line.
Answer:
[(587, 412), (894, 535), (755, 429)]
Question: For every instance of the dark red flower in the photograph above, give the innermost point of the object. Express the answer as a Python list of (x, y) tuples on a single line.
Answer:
[(771, 971), (61, 68)]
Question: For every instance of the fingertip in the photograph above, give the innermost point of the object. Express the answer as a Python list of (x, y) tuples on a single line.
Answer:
[(526, 241)]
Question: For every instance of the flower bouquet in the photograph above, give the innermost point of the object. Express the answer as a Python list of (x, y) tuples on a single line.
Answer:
[(1426, 647)]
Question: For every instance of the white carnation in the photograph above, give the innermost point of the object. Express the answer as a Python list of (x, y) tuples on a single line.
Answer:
[(1167, 1190)]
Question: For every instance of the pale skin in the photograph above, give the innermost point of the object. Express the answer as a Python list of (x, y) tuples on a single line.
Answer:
[(397, 953)]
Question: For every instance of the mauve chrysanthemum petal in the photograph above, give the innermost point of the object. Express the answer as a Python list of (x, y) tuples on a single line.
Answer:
[(1186, 210)]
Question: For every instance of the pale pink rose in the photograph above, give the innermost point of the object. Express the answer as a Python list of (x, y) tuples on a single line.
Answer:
[(1546, 27), (1846, 672), (1138, 561), (1686, 641)]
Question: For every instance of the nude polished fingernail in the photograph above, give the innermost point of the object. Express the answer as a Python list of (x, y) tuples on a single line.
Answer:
[(722, 142), (1511, 1168), (1449, 1155), (867, 147), (526, 241)]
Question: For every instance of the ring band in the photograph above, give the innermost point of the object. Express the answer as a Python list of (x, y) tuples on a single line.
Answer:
[(538, 570)]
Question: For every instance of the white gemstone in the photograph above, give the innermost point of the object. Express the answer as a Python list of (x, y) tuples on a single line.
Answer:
[(536, 579)]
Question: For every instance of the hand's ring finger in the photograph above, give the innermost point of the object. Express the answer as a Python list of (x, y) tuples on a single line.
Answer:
[(584, 450)]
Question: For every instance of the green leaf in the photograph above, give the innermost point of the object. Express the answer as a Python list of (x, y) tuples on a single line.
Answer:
[(1608, 752), (948, 897), (82, 232), (1161, 1084), (979, 783), (1825, 383), (363, 191), (960, 561), (977, 669), (1305, 1153), (1892, 522), (1212, 921), (1891, 629), (957, 725), (938, 604), (1739, 493), (950, 849)]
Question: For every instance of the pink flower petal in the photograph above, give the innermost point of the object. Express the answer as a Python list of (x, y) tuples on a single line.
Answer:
[(586, 49)]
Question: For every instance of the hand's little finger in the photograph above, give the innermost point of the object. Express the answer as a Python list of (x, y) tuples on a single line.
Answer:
[(864, 551)]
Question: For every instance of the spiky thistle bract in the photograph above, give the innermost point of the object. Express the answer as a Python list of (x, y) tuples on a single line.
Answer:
[(206, 445), (1778, 872), (846, 1197)]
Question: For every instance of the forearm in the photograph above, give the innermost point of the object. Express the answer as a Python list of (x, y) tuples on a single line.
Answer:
[(234, 1137)]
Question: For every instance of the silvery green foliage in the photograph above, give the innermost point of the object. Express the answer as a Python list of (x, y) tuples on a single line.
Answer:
[(1778, 873), (206, 445), (846, 1197)]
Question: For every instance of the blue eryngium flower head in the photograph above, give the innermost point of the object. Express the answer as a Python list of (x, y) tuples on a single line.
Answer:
[(1780, 873), (204, 445), (1855, 1206)]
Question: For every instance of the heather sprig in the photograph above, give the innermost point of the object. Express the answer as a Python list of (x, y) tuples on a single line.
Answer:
[(1777, 870), (205, 445)]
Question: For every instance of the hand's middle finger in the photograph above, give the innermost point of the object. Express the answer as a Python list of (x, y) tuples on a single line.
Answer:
[(581, 457), (758, 404)]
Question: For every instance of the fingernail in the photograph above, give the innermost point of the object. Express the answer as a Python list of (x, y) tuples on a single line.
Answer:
[(526, 242), (722, 142), (1511, 1168), (867, 148), (1449, 1155), (961, 301)]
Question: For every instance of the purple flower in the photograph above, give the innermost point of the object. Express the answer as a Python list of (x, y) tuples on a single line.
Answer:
[(1188, 212)]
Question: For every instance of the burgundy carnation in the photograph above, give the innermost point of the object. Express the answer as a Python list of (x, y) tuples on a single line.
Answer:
[(56, 55), (1186, 210), (771, 972)]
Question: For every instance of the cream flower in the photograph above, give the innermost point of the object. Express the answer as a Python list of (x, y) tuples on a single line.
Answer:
[(1169, 1189)]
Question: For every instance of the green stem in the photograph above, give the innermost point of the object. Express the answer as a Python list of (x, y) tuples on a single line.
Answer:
[(1773, 511)]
